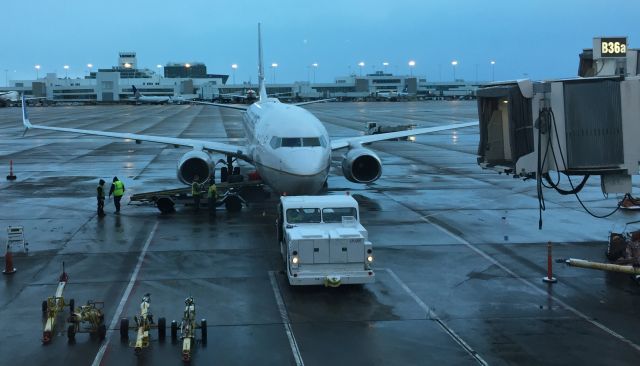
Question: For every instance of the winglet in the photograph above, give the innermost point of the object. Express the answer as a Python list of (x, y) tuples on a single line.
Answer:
[(263, 89), (25, 118)]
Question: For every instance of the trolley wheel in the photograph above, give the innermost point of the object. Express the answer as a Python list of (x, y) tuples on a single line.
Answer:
[(72, 306), (102, 332), (124, 328), (224, 173), (174, 330), (165, 205), (233, 204), (162, 328), (44, 307), (71, 333), (203, 330)]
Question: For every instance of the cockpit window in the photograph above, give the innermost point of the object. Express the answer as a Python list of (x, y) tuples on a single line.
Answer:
[(310, 141), (291, 142), (275, 142)]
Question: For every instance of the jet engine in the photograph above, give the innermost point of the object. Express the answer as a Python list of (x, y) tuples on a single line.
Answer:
[(361, 166), (195, 163)]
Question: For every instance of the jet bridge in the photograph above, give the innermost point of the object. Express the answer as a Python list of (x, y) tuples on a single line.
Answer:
[(583, 126)]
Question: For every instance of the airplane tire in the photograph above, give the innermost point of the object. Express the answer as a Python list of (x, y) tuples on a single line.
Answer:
[(174, 330), (124, 328), (203, 330), (71, 333), (162, 328)]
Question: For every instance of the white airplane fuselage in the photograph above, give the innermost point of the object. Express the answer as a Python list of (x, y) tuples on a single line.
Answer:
[(293, 170), (11, 96)]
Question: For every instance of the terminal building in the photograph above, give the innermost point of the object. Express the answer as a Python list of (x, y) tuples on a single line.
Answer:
[(191, 80)]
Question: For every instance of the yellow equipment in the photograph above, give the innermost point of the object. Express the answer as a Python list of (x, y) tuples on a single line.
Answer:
[(188, 328), (144, 323), (92, 314), (54, 305)]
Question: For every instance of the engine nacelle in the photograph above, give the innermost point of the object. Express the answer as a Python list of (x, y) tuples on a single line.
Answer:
[(195, 163), (361, 166)]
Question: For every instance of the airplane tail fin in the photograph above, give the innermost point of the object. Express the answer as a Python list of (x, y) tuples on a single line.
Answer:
[(136, 93), (25, 118), (263, 89)]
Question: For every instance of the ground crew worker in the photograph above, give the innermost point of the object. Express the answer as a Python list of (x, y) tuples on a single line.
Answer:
[(100, 197), (196, 187), (117, 189), (212, 197)]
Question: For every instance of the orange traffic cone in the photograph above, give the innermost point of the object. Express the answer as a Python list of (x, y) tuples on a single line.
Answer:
[(8, 263)]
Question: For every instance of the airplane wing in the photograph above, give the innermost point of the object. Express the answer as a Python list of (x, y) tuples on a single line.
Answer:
[(358, 140), (219, 147), (221, 105), (314, 101)]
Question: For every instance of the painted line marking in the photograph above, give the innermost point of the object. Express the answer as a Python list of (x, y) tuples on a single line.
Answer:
[(575, 311), (125, 296), (285, 320), (432, 316)]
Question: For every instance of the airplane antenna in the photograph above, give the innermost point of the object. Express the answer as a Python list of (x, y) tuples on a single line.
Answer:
[(263, 89)]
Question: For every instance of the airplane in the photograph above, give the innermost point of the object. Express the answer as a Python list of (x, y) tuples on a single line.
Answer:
[(144, 99), (9, 96), (288, 146), (392, 94)]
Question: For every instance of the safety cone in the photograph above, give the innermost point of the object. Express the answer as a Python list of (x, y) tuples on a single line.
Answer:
[(8, 263), (11, 176)]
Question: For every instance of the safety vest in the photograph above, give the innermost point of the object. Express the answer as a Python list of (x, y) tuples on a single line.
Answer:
[(100, 192), (213, 191), (118, 188), (195, 189)]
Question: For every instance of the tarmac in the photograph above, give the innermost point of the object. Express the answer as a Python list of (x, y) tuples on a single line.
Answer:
[(459, 256)]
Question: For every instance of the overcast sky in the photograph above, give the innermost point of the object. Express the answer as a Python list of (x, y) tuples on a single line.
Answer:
[(538, 38)]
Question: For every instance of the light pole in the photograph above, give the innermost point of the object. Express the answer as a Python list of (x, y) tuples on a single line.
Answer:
[(66, 71), (188, 67), (89, 66), (361, 64), (273, 71), (234, 67), (412, 64), (37, 70), (315, 66), (493, 70), (454, 63), (158, 66), (385, 64), (6, 77)]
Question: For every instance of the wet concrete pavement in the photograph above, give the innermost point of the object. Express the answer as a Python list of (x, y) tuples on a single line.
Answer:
[(459, 256)]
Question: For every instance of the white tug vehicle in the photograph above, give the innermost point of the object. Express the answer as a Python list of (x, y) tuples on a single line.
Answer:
[(322, 241)]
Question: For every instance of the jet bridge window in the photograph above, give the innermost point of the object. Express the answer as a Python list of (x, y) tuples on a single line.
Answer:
[(335, 214), (303, 215)]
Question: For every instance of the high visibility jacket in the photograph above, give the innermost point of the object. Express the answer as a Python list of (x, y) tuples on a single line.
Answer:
[(213, 191), (195, 188), (118, 189), (100, 191)]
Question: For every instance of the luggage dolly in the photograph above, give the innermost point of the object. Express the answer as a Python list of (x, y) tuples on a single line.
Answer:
[(188, 328), (144, 323)]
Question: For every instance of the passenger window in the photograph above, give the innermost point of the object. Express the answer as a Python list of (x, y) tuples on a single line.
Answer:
[(291, 142), (335, 214)]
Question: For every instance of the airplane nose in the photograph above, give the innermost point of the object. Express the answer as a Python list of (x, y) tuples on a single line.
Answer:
[(305, 161)]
